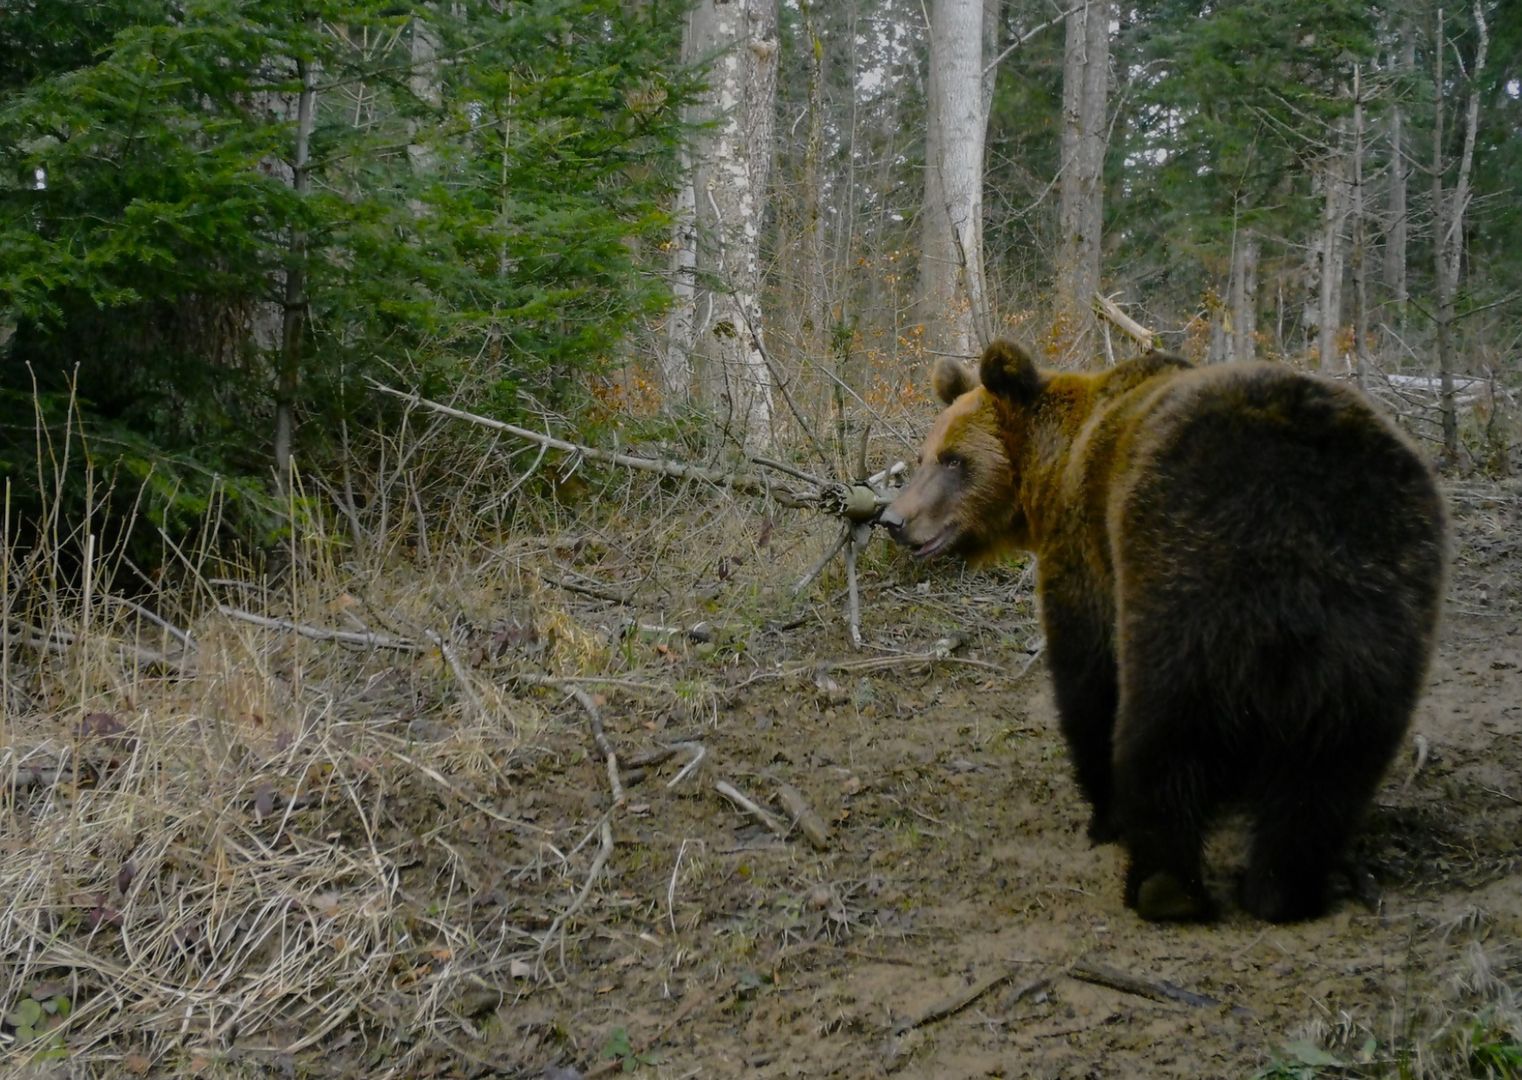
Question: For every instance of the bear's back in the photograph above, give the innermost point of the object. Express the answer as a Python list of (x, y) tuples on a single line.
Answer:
[(1289, 537)]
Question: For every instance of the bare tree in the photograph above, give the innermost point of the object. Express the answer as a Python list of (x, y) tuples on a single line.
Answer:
[(1360, 233), (1449, 208), (731, 159), (952, 289), (293, 319), (1080, 208), (1329, 247), (1400, 171), (1244, 296)]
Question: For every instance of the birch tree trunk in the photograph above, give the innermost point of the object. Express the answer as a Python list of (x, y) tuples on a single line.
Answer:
[(1080, 207), (1448, 213), (1330, 251), (681, 322), (815, 302), (952, 292), (732, 170), (424, 82), (1360, 233), (1400, 171)]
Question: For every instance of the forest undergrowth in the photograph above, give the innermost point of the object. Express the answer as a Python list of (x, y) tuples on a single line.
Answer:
[(532, 769)]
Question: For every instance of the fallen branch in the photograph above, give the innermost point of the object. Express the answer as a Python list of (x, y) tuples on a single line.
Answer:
[(743, 483), (318, 633), (963, 998), (594, 718), (765, 817), (584, 590), (1134, 330), (804, 817), (858, 504), (1088, 971)]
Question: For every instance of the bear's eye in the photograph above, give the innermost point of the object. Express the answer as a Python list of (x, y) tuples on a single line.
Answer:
[(953, 461)]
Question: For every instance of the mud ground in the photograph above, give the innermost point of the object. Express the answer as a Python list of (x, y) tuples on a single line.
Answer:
[(954, 922)]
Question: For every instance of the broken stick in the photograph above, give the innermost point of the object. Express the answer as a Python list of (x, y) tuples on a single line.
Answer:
[(959, 1001), (1085, 970)]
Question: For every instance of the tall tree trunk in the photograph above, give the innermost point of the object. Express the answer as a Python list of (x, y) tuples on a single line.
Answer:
[(1360, 232), (815, 302), (1400, 172), (1080, 208), (424, 82), (743, 99), (1330, 250), (1244, 296), (1448, 213), (681, 322), (951, 282), (293, 321)]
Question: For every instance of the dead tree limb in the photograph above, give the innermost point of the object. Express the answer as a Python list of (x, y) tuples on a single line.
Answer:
[(1110, 311), (857, 504), (1089, 971), (965, 997)]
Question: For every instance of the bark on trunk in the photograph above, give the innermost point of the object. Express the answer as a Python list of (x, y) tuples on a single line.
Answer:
[(1244, 297), (743, 97), (1400, 171), (293, 320), (425, 84), (681, 323), (1080, 211), (1449, 211), (1358, 254), (1330, 252), (952, 292)]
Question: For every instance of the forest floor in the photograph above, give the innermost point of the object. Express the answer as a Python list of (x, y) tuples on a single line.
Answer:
[(958, 924), (291, 859)]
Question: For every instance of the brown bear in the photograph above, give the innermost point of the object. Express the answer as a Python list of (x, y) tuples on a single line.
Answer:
[(1239, 570)]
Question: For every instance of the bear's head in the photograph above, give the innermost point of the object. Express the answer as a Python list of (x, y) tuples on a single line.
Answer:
[(963, 496)]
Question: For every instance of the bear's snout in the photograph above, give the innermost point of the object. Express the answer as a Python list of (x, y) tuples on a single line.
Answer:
[(893, 521)]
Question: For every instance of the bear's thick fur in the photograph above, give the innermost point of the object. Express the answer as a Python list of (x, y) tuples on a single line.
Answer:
[(1239, 570)]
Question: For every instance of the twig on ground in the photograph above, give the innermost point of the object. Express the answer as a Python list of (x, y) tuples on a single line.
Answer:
[(671, 885), (452, 658), (698, 752), (963, 998), (605, 829), (584, 590), (1089, 971), (765, 817), (182, 636), (594, 718), (59, 641), (319, 633), (818, 568), (804, 817)]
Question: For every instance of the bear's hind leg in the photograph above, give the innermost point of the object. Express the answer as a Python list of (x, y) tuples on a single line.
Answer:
[(1299, 836), (1165, 793)]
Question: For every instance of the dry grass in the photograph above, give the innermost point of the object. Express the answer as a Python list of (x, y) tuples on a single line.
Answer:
[(226, 843)]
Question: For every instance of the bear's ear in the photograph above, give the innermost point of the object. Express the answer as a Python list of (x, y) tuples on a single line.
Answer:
[(1008, 371), (951, 379)]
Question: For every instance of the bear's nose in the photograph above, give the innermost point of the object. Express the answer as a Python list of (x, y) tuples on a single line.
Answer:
[(893, 521)]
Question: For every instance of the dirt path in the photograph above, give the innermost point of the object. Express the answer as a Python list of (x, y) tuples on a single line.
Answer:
[(956, 868)]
